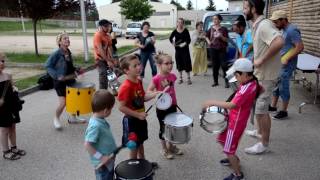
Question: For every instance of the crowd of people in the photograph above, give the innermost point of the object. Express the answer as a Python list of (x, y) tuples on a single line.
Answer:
[(260, 69)]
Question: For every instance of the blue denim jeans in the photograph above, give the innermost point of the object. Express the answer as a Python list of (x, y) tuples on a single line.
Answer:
[(283, 85), (145, 56), (104, 174)]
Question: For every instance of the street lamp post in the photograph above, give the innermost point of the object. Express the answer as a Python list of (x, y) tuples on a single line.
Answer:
[(21, 16), (84, 31)]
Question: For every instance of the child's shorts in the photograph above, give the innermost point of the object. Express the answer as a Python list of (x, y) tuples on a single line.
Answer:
[(139, 127), (104, 173), (230, 139), (161, 114)]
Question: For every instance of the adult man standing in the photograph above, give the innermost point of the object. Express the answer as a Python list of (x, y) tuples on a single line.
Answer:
[(102, 44), (289, 55), (267, 42)]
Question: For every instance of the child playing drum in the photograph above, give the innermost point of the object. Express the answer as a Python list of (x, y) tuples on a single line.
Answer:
[(131, 98), (99, 141), (159, 83), (240, 107)]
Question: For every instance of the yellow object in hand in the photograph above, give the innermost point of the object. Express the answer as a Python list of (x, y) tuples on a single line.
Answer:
[(285, 57)]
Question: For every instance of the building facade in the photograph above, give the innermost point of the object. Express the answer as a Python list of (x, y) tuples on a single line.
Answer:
[(165, 15)]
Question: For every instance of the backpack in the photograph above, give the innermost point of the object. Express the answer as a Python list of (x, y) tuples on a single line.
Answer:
[(45, 82)]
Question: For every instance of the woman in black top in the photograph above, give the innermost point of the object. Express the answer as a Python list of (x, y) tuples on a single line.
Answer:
[(180, 38), (9, 115), (217, 39), (145, 41)]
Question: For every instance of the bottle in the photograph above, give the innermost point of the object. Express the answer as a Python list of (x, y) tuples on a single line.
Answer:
[(114, 84)]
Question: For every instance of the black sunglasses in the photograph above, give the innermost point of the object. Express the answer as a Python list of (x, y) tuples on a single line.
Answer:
[(2, 60)]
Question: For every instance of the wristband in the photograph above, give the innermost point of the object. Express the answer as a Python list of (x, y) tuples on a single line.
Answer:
[(97, 155)]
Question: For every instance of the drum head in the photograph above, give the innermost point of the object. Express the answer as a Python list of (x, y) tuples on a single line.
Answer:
[(177, 119), (164, 102), (81, 85), (134, 169), (214, 120)]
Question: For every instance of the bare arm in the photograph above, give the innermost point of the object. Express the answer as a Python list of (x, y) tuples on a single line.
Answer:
[(150, 95), (104, 159), (274, 48), (298, 48), (222, 104), (151, 88), (124, 109)]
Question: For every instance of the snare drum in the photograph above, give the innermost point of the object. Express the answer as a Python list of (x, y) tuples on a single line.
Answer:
[(137, 169), (178, 128), (164, 102), (78, 98), (214, 120)]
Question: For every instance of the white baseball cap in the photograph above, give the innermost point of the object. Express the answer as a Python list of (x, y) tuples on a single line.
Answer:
[(242, 65)]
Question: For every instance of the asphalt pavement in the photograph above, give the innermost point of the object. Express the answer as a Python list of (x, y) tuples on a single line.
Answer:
[(60, 155)]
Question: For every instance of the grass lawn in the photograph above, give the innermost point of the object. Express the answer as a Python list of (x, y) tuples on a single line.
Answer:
[(27, 82), (6, 26), (32, 58)]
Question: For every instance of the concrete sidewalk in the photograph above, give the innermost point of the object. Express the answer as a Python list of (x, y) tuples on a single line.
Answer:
[(54, 155)]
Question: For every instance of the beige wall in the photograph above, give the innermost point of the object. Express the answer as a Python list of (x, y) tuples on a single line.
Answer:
[(235, 6), (112, 12), (192, 15)]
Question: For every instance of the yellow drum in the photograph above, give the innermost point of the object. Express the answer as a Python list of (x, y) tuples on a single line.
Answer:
[(78, 98)]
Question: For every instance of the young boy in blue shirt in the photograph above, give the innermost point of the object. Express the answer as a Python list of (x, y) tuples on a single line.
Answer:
[(99, 141)]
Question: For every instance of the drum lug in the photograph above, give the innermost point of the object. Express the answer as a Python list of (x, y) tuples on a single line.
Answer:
[(78, 93)]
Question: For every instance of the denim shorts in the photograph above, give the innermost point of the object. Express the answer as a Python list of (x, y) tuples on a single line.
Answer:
[(283, 84), (104, 173)]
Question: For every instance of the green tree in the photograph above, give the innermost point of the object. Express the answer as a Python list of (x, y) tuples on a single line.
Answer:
[(189, 5), (179, 7), (136, 10), (211, 7)]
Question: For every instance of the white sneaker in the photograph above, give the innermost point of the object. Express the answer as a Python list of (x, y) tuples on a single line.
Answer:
[(56, 123), (258, 148), (72, 119), (253, 133)]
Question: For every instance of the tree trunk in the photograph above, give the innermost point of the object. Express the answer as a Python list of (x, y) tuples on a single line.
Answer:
[(34, 22)]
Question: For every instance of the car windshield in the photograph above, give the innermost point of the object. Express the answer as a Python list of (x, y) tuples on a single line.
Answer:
[(228, 20), (134, 25)]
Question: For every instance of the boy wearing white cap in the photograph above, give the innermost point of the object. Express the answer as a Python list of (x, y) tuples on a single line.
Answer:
[(239, 107)]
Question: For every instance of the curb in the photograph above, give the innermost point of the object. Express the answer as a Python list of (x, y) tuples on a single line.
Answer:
[(35, 88)]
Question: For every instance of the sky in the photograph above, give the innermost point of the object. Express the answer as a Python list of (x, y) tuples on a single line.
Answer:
[(201, 4)]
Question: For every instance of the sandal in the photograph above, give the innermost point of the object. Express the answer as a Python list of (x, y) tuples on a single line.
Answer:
[(17, 151), (9, 155)]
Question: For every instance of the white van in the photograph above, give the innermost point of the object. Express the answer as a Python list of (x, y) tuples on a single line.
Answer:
[(133, 29)]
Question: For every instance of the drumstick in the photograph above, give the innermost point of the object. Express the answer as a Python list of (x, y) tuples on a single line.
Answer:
[(155, 102), (131, 137)]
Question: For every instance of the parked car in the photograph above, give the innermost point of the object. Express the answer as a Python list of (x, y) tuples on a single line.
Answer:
[(116, 29), (133, 29), (228, 19)]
